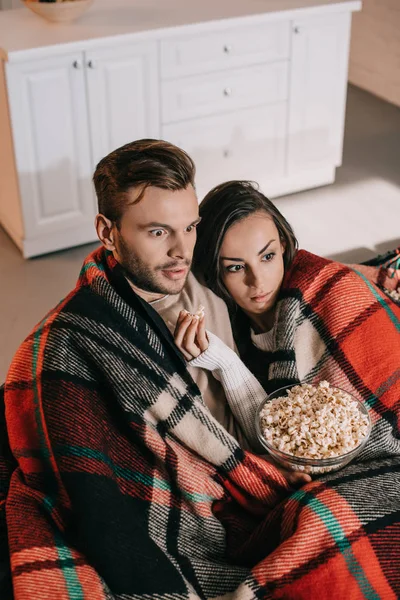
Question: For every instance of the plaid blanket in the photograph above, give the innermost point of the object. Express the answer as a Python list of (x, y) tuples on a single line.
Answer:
[(125, 486)]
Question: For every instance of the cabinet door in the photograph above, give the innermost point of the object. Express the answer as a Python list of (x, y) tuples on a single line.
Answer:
[(51, 140), (318, 86), (123, 95), (247, 144)]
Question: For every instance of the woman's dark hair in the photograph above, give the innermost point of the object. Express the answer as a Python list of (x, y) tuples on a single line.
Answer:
[(139, 164), (223, 206)]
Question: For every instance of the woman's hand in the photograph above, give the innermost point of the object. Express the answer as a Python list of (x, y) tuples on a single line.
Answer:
[(190, 334), (294, 478)]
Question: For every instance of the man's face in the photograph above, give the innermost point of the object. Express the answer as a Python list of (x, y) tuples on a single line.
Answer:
[(156, 239)]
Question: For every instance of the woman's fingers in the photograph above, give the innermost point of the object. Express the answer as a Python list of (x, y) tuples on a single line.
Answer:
[(189, 339), (185, 335), (294, 478), (182, 324), (190, 334), (202, 340)]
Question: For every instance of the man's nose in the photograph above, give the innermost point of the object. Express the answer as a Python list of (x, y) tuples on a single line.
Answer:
[(181, 248)]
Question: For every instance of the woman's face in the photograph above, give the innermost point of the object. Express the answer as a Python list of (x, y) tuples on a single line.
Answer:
[(252, 265)]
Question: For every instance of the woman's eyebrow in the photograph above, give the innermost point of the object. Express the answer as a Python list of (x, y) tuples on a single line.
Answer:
[(242, 259), (265, 247)]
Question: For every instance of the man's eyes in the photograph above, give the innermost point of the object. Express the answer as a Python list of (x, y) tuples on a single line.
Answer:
[(161, 232)]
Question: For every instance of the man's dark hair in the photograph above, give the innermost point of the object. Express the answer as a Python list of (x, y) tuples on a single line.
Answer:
[(223, 206), (138, 165)]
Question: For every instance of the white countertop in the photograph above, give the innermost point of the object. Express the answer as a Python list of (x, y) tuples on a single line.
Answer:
[(21, 30)]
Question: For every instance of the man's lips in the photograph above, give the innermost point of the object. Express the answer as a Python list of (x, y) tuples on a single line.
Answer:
[(176, 273)]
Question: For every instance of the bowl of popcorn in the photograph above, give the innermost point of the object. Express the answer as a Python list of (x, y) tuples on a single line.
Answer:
[(313, 428)]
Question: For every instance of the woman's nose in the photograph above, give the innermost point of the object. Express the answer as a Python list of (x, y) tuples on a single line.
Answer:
[(253, 279)]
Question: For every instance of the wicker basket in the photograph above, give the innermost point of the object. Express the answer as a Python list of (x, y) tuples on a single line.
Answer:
[(63, 11)]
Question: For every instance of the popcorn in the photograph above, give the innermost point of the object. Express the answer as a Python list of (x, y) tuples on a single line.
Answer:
[(395, 294), (314, 422), (199, 313)]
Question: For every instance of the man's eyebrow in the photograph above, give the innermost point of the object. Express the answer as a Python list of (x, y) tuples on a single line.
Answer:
[(242, 259), (165, 226)]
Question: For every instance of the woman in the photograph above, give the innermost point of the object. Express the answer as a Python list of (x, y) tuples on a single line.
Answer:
[(296, 316), (299, 317)]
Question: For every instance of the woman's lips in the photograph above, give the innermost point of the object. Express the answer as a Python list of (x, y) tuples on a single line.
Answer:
[(260, 298)]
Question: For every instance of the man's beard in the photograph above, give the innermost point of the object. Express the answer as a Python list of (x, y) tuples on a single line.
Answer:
[(144, 278)]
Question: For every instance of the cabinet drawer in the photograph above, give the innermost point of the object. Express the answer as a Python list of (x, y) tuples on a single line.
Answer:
[(232, 47), (247, 144), (219, 92)]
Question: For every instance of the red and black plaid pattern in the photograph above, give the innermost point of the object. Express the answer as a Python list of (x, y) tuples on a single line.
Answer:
[(126, 487)]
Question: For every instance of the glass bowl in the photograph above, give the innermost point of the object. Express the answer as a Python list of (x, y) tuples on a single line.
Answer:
[(310, 465)]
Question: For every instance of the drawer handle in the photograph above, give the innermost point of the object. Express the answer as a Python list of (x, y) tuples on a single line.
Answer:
[(228, 91), (296, 30), (76, 64), (227, 48), (226, 154), (91, 64)]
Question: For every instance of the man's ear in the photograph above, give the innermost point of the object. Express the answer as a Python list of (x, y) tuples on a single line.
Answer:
[(105, 232)]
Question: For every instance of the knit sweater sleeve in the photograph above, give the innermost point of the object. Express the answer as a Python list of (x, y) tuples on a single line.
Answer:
[(243, 391)]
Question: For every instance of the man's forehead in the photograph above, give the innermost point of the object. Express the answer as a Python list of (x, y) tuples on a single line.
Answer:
[(177, 208)]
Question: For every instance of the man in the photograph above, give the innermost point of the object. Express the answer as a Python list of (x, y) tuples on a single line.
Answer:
[(148, 212), (126, 485)]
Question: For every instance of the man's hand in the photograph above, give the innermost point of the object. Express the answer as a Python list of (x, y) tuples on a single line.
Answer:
[(190, 334)]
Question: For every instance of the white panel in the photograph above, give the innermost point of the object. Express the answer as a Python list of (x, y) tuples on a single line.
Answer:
[(248, 144), (230, 47), (318, 91), (219, 92), (123, 96), (51, 137), (53, 140)]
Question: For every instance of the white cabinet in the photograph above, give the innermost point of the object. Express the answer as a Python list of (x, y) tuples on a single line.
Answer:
[(318, 85), (122, 96), (224, 92), (67, 113), (247, 144), (248, 91), (234, 46), (232, 121), (52, 150)]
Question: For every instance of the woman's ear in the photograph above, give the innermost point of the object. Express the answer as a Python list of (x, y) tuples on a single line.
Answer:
[(105, 232)]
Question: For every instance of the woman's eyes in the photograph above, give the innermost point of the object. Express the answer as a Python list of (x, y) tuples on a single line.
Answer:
[(268, 257), (236, 268)]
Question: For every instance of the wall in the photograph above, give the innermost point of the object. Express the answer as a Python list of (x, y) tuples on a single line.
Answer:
[(4, 4), (375, 49)]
